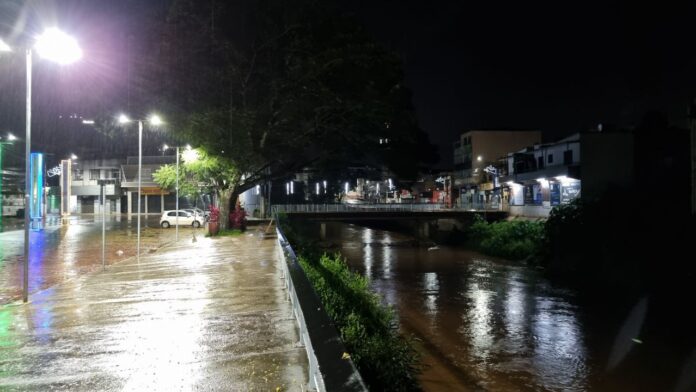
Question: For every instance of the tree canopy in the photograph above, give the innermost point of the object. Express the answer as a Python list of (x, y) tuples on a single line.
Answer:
[(263, 89)]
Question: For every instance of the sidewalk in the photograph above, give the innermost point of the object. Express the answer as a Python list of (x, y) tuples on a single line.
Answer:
[(208, 316)]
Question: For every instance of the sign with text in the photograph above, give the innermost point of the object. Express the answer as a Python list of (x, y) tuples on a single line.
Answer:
[(569, 192)]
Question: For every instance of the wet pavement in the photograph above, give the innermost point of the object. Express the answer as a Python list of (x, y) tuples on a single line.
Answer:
[(64, 250), (204, 315)]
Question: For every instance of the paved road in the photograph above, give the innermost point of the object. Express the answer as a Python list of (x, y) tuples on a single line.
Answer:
[(209, 315), (65, 251)]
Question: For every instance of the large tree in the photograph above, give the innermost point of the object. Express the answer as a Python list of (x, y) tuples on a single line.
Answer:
[(265, 88)]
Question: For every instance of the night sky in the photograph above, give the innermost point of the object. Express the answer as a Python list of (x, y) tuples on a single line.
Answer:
[(560, 67), (555, 66)]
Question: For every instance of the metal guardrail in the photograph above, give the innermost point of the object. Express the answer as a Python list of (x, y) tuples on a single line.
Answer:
[(328, 370), (384, 207)]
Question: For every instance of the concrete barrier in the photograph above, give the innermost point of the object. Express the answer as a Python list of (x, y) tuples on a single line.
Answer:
[(328, 370)]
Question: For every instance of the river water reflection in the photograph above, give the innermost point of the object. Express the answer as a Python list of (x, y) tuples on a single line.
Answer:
[(486, 324)]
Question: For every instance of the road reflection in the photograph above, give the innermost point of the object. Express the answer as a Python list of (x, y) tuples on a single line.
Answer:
[(63, 250)]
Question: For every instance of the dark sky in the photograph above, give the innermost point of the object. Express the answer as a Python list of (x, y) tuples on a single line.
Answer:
[(560, 67)]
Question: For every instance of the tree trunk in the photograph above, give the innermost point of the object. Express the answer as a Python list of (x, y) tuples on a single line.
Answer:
[(225, 196)]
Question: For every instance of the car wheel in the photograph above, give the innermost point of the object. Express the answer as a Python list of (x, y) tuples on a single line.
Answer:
[(196, 224), (165, 225)]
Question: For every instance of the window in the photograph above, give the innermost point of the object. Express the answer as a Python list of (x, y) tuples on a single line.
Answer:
[(171, 214), (183, 213), (94, 174), (549, 159), (540, 162), (567, 157)]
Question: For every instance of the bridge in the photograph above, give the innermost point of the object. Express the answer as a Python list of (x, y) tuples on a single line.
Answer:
[(390, 211), (426, 221)]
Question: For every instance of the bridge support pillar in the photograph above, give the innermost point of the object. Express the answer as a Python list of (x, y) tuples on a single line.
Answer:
[(425, 230), (322, 231)]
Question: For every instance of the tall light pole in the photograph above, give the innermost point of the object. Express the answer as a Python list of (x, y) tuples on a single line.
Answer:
[(154, 120), (58, 47), (176, 218)]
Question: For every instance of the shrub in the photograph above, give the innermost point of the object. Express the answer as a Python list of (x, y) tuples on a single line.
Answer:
[(509, 239), (386, 360)]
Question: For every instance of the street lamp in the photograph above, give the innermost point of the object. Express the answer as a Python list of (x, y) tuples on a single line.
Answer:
[(60, 48), (192, 156), (154, 120)]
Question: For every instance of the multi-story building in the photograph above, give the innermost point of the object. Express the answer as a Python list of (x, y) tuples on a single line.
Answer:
[(477, 149), (86, 191), (542, 176)]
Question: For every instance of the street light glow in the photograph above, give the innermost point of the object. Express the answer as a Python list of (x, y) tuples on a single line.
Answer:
[(123, 119), (88, 122), (155, 120), (57, 46), (4, 47), (11, 137), (73, 156), (165, 147), (189, 155)]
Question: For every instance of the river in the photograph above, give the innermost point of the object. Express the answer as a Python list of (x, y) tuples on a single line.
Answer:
[(489, 324)]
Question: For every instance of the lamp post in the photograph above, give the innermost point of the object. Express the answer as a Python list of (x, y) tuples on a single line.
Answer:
[(154, 120), (58, 47), (176, 218)]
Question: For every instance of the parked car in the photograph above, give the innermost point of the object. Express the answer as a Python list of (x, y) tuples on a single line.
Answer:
[(197, 211), (186, 218)]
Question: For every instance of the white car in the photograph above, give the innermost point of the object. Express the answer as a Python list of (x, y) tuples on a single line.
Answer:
[(198, 212), (169, 218)]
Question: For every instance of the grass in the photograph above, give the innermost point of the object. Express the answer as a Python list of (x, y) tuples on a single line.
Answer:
[(386, 360)]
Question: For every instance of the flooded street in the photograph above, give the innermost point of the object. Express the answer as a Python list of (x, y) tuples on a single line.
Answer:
[(489, 324), (60, 252), (204, 316)]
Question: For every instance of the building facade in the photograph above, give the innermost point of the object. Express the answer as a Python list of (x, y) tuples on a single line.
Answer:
[(584, 165), (477, 150)]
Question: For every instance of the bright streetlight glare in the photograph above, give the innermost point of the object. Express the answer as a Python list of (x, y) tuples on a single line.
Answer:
[(73, 156), (57, 46), (4, 47), (189, 155), (88, 122), (11, 137), (165, 147), (155, 120), (123, 119)]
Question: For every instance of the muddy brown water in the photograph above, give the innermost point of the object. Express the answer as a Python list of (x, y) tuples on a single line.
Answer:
[(488, 324)]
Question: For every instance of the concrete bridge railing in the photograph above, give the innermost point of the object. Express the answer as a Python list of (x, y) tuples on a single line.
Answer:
[(382, 207), (328, 370)]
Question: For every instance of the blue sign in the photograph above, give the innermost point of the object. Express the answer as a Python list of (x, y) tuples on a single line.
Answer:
[(36, 168), (555, 193)]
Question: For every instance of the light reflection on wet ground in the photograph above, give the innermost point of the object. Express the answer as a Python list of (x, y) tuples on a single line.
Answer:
[(487, 324), (62, 251), (210, 315)]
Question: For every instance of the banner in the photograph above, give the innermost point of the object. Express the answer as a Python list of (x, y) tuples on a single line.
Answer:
[(569, 192), (555, 193)]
